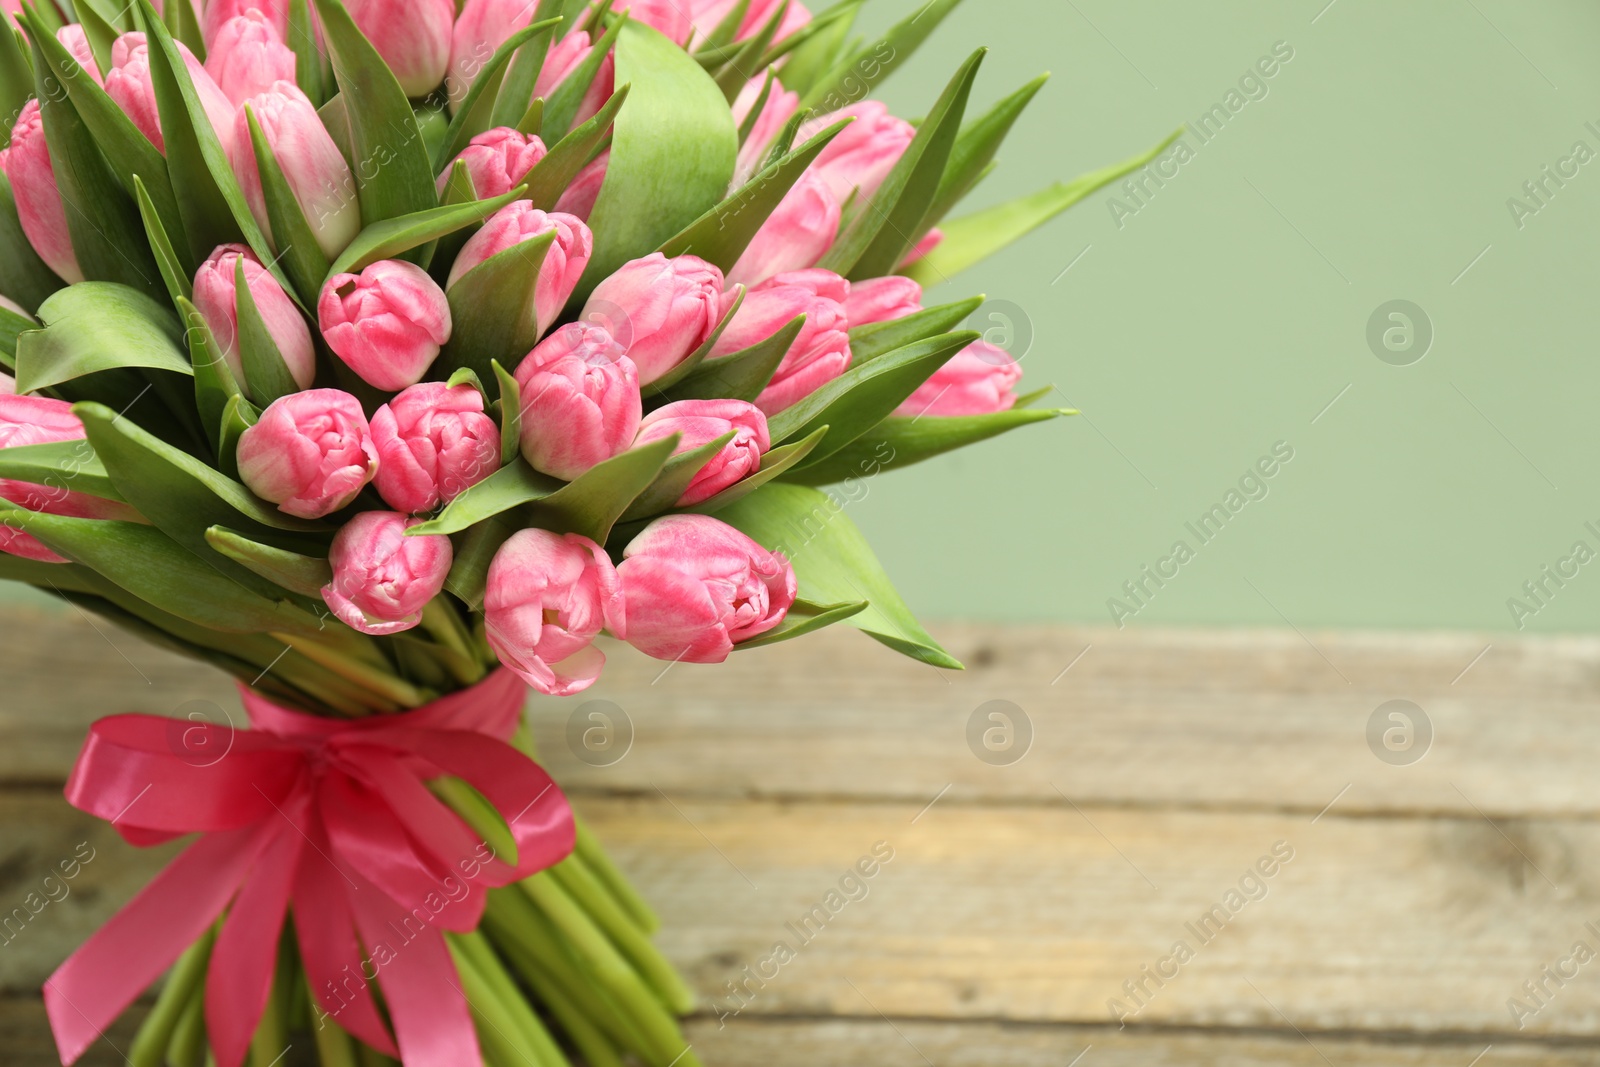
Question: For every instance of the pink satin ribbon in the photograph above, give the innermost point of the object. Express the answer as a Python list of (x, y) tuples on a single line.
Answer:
[(332, 816)]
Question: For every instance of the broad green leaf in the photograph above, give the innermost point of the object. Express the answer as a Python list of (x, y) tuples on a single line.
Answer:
[(860, 71), (302, 257), (873, 340), (101, 28), (974, 151), (900, 441), (663, 493), (477, 110), (833, 563), (492, 309), (803, 618), (773, 466), (515, 93), (510, 413), (753, 116), (158, 570), (725, 31), (98, 326), (551, 175), (305, 575), (821, 46), (532, 120), (308, 70), (266, 376), (182, 23), (561, 108), (102, 219), (973, 238), (739, 375), (721, 235), (214, 383), (474, 551), (511, 486), (69, 465), (393, 238), (672, 153), (12, 325), (863, 396), (173, 271), (394, 176), (24, 277), (592, 502), (16, 77), (886, 229), (746, 64), (238, 415)]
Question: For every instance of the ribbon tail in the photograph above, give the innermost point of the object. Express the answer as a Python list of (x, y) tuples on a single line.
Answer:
[(98, 982), (246, 954), (421, 986)]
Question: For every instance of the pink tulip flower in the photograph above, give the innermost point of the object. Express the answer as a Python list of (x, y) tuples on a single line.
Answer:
[(33, 182), (794, 237), (412, 36), (386, 323), (775, 114), (72, 35), (497, 161), (38, 420), (978, 380), (930, 240), (694, 587), (699, 422), (433, 441), (310, 453), (218, 13), (312, 165), (580, 197), (128, 83), (548, 596), (248, 56), (882, 300), (708, 14), (819, 354), (865, 151), (216, 300), (566, 55), (481, 29), (580, 401), (382, 579), (563, 264), (670, 17), (660, 310)]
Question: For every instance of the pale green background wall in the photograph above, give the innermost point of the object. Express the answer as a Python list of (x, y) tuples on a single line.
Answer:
[(1207, 328)]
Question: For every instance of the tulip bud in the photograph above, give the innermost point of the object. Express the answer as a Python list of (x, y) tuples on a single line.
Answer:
[(708, 15), (38, 420), (978, 380), (659, 309), (216, 300), (670, 17), (580, 401), (218, 13), (882, 300), (775, 114), (382, 579), (412, 36), (693, 587), (433, 441), (72, 35), (386, 323), (930, 240), (33, 184), (795, 236), (699, 422), (579, 197), (547, 596), (312, 165), (497, 161), (128, 83), (819, 354), (310, 453), (564, 58), (563, 264), (483, 26), (863, 153), (248, 56)]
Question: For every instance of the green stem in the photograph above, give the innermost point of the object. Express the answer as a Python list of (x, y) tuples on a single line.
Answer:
[(188, 1045), (271, 1038), (371, 1057), (155, 1034), (535, 1036), (335, 1048), (593, 1045), (499, 1034), (605, 871), (378, 680), (442, 621), (580, 883)]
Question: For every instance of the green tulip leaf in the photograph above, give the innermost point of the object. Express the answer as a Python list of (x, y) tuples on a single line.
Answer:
[(855, 74), (515, 92), (551, 175), (511, 486), (561, 108), (16, 77), (975, 150), (98, 326), (873, 340), (12, 325), (592, 502), (302, 39), (819, 47), (662, 494), (238, 415), (774, 465), (510, 412), (67, 465), (266, 375), (393, 238), (476, 112), (474, 551), (833, 563), (173, 271), (739, 375), (302, 257), (694, 359), (305, 575), (492, 309), (24, 277), (973, 238), (803, 618), (899, 441)]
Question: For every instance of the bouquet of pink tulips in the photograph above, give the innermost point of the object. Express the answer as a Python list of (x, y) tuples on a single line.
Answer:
[(385, 354)]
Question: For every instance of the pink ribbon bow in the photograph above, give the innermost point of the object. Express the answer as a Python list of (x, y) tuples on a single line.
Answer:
[(333, 816)]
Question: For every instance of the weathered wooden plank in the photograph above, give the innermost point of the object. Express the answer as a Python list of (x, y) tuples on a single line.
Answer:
[(1145, 718), (1038, 914)]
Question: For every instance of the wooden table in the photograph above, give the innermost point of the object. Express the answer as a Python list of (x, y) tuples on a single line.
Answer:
[(1408, 901)]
